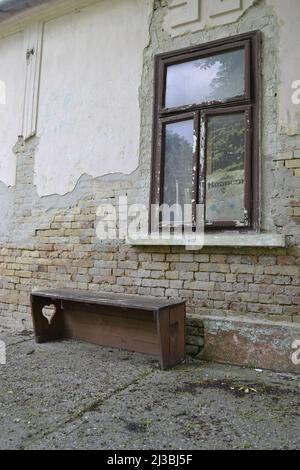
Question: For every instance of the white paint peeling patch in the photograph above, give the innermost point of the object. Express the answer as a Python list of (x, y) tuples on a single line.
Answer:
[(12, 79), (89, 115), (288, 17)]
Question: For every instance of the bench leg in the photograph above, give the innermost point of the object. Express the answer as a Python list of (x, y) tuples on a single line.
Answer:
[(48, 326), (171, 331)]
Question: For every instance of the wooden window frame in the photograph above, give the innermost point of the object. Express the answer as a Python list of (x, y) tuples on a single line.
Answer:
[(247, 103)]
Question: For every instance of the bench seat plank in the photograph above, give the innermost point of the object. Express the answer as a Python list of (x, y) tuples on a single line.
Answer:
[(154, 304)]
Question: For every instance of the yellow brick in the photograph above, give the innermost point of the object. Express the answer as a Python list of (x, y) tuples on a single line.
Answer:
[(297, 211), (297, 172), (32, 254), (292, 163), (50, 233), (297, 153), (25, 274), (7, 272), (73, 232)]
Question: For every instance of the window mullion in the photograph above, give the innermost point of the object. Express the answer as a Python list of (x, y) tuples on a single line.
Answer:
[(248, 179), (195, 172), (201, 153)]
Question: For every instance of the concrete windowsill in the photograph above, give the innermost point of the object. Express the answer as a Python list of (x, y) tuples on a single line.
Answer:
[(270, 240)]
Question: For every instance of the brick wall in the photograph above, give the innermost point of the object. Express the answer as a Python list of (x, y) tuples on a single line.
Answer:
[(289, 161), (256, 283)]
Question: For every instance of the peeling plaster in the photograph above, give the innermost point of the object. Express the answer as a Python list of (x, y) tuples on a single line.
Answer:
[(89, 114), (12, 74), (288, 17)]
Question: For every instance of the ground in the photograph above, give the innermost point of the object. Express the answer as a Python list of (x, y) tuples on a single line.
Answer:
[(73, 395)]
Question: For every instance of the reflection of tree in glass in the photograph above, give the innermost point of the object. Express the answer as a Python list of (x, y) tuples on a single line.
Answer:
[(177, 169), (229, 80), (225, 142)]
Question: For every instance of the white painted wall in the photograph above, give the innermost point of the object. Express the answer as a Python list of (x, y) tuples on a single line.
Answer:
[(88, 112), (12, 82), (89, 115)]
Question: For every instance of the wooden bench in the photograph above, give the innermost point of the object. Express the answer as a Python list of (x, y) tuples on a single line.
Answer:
[(135, 323)]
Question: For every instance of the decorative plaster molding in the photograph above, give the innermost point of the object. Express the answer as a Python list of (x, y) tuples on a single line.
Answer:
[(189, 16), (33, 51)]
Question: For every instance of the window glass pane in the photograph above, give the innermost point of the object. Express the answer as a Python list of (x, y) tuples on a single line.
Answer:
[(225, 167), (207, 79), (178, 163)]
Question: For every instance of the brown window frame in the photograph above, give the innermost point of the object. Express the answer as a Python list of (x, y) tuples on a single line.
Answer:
[(247, 103)]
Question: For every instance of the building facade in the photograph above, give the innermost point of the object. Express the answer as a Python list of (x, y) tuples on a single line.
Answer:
[(81, 105)]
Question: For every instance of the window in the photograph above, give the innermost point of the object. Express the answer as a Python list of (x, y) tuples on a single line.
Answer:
[(205, 135)]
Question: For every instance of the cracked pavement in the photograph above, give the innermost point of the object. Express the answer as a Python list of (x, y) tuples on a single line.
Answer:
[(74, 395)]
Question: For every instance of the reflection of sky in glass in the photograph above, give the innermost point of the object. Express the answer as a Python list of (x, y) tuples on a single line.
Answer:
[(183, 129), (196, 81)]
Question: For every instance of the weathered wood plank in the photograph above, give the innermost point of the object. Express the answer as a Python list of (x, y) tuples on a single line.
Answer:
[(144, 324), (108, 298)]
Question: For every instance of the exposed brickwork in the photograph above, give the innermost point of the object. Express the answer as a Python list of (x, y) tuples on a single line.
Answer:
[(194, 336), (290, 161), (66, 253)]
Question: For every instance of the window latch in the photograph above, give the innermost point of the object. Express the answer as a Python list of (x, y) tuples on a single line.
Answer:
[(29, 53)]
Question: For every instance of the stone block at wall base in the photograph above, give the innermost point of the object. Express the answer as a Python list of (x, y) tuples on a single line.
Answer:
[(194, 336), (252, 343)]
